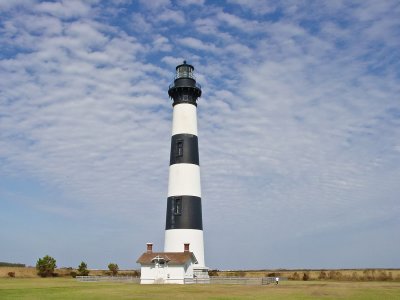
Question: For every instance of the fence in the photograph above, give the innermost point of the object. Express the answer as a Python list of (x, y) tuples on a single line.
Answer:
[(234, 280), (108, 278), (211, 280)]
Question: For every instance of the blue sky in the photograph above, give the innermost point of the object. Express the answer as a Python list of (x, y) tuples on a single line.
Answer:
[(299, 129)]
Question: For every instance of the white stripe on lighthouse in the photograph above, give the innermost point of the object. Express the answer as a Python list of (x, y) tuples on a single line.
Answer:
[(184, 119), (175, 238), (184, 179)]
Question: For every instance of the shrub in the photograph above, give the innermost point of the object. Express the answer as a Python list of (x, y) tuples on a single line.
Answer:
[(73, 274), (240, 273), (306, 276), (369, 274), (212, 272), (390, 276), (339, 275), (113, 268), (11, 274), (335, 275), (46, 266), (322, 275), (295, 276), (354, 276), (383, 276)]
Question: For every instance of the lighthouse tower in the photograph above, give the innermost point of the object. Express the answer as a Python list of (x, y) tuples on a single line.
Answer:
[(184, 223)]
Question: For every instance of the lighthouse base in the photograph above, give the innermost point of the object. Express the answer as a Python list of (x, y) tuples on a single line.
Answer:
[(200, 272), (200, 275)]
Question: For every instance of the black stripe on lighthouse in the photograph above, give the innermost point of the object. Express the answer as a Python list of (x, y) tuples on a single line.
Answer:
[(184, 212), (184, 149)]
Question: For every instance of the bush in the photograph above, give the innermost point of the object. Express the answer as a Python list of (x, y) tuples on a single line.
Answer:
[(73, 274), (369, 274), (213, 273), (46, 266), (295, 276), (322, 275), (240, 273), (113, 268), (383, 276), (354, 276), (11, 274), (82, 269), (306, 276)]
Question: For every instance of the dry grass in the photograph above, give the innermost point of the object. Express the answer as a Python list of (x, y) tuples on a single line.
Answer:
[(20, 272), (337, 275)]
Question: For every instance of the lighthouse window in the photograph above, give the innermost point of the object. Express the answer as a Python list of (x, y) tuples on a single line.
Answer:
[(177, 206), (179, 147)]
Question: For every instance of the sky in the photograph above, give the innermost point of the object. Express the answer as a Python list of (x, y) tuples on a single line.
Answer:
[(299, 130)]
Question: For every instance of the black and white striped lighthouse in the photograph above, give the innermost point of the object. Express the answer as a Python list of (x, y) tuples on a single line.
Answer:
[(184, 216)]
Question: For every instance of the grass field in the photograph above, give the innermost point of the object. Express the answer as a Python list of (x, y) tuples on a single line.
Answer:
[(66, 288)]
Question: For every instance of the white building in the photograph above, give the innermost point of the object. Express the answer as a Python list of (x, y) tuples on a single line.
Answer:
[(166, 267)]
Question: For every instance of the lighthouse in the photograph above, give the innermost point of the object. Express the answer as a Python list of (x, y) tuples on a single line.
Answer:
[(184, 224)]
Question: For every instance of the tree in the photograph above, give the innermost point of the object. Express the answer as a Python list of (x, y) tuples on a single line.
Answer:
[(46, 266), (113, 268), (82, 269)]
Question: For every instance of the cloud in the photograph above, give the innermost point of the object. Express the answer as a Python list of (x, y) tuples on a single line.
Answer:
[(168, 15), (156, 4), (172, 61), (161, 43), (140, 24), (64, 9), (255, 6), (7, 5), (239, 23), (190, 2), (298, 120), (197, 44)]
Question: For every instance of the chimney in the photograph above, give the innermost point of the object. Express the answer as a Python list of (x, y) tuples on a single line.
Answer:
[(149, 247), (186, 247)]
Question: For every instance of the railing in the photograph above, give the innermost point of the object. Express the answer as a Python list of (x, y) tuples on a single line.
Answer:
[(108, 278), (173, 85)]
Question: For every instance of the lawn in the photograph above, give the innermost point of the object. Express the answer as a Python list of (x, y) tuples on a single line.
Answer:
[(65, 288)]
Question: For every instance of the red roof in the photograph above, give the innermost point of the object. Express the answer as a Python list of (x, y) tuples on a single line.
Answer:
[(172, 258)]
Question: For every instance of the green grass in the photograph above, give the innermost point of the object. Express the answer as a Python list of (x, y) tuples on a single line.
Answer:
[(64, 288)]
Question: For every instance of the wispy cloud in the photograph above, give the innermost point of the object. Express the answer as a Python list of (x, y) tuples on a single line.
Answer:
[(298, 121), (197, 44)]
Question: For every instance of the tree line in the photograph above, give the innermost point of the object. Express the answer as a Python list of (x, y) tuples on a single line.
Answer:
[(7, 264)]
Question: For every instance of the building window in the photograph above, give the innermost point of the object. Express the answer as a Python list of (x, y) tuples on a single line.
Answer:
[(179, 148), (177, 206)]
